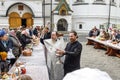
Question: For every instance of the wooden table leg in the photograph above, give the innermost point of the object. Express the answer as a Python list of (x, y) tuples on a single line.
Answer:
[(112, 52), (118, 55), (97, 45), (90, 42), (108, 50)]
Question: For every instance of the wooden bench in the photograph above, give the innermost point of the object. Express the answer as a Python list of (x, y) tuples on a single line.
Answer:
[(111, 49)]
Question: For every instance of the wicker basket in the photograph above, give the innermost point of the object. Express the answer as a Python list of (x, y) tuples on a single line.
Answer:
[(27, 52), (36, 41)]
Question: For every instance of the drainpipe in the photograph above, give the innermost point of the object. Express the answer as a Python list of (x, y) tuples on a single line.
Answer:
[(109, 15), (44, 13), (51, 17)]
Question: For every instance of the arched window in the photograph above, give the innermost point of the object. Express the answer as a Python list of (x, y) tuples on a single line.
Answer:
[(62, 25), (63, 12)]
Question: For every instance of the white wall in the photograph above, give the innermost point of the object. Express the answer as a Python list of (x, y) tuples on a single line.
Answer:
[(36, 6), (93, 15)]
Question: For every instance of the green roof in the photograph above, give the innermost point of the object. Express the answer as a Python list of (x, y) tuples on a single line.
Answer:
[(60, 5)]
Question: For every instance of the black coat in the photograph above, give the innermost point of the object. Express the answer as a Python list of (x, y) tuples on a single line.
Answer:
[(2, 48), (25, 40), (46, 36), (35, 32), (72, 58)]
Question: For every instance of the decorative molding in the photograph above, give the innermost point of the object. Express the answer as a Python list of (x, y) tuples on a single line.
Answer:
[(80, 3), (61, 15), (99, 3)]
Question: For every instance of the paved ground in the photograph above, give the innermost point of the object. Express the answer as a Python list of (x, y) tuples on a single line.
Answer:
[(96, 58)]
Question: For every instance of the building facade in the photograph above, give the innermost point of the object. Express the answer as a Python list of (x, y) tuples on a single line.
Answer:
[(60, 15), (16, 13)]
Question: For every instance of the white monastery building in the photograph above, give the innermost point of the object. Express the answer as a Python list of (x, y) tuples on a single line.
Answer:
[(60, 15)]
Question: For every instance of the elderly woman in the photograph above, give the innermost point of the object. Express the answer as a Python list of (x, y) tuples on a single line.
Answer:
[(3, 41), (15, 45)]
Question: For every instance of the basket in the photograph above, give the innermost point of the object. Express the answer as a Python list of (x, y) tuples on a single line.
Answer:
[(36, 41), (27, 52)]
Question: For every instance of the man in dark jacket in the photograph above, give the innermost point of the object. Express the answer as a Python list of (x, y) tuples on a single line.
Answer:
[(72, 52), (45, 35), (35, 31)]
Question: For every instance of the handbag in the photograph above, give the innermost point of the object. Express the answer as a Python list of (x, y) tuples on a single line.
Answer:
[(10, 54)]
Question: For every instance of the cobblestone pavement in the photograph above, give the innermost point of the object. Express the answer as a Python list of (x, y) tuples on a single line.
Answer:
[(96, 58)]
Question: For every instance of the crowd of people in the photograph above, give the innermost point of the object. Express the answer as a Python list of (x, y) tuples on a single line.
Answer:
[(113, 34), (14, 42)]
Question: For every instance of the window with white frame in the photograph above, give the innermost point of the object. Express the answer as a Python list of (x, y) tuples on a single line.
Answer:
[(80, 26), (101, 27)]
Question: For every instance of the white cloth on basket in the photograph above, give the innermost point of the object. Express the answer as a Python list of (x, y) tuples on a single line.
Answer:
[(10, 55)]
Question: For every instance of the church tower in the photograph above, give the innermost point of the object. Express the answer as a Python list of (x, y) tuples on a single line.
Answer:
[(62, 16)]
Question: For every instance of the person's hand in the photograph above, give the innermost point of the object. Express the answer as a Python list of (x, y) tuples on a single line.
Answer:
[(61, 52)]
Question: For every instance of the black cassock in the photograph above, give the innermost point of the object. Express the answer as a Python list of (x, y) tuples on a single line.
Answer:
[(72, 58)]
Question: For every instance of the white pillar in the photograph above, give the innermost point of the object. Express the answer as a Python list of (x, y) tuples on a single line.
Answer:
[(69, 27), (55, 27)]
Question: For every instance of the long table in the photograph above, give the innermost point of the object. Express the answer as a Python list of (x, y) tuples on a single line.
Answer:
[(35, 64), (111, 49)]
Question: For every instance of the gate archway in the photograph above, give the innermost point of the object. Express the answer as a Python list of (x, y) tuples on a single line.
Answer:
[(20, 15), (62, 25)]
